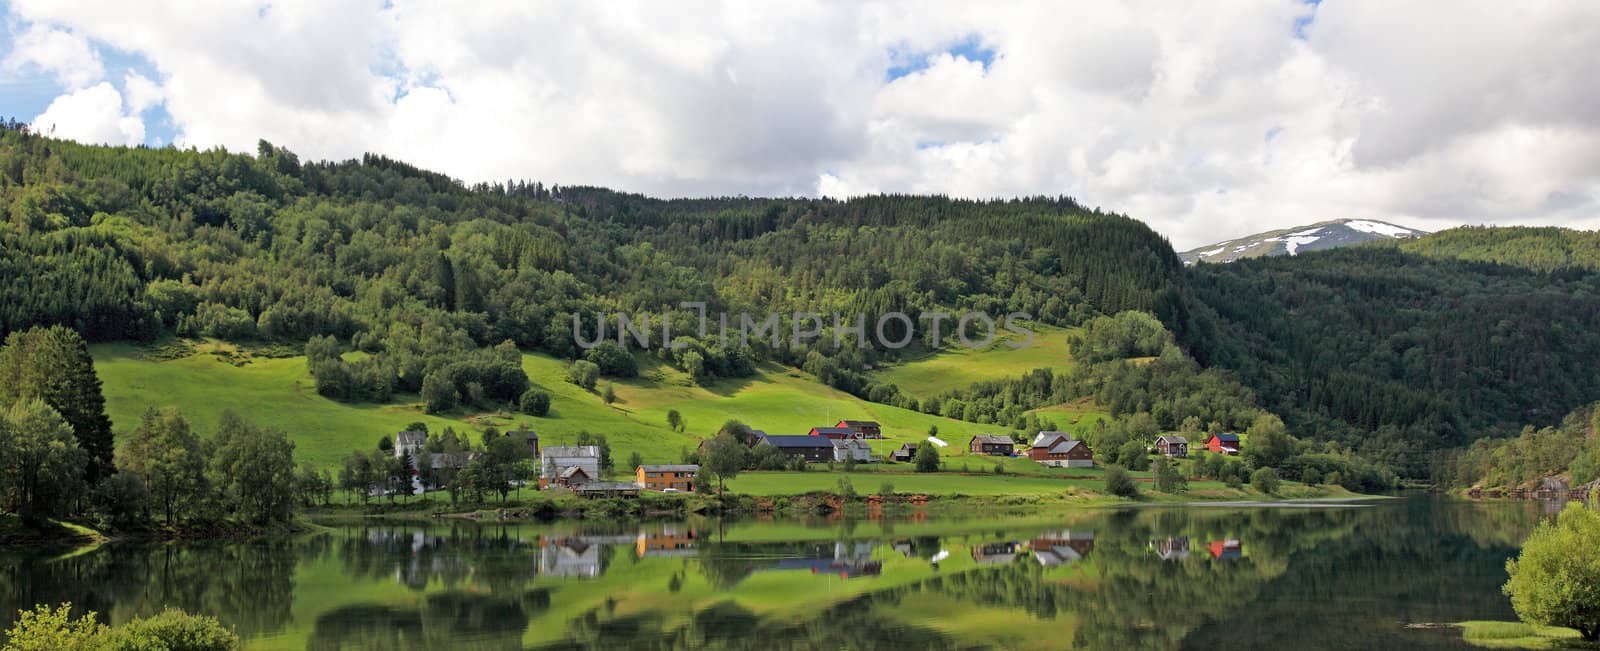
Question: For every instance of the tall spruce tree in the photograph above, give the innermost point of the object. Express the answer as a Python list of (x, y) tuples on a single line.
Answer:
[(53, 365)]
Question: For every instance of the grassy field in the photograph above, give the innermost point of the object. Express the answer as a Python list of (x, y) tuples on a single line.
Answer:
[(279, 392), (957, 367)]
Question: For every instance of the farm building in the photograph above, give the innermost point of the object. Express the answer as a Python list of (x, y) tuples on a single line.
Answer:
[(677, 477), (867, 429), (1060, 450), (995, 445), (1176, 447), (1223, 443), (814, 449)]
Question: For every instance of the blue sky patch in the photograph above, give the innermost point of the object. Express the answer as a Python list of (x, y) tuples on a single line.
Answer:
[(971, 48)]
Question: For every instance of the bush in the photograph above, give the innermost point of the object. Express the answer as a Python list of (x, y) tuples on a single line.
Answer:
[(927, 458), (612, 360), (845, 489), (1168, 479), (584, 374), (1311, 477), (173, 630), (1119, 482), (1556, 579), (886, 489), (535, 403), (1265, 480), (53, 629)]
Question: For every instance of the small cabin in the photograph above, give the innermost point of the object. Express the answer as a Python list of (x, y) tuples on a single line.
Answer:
[(814, 449), (1175, 447), (994, 445), (904, 454)]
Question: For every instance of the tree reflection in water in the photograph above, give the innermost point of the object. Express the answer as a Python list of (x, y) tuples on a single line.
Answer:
[(1156, 578)]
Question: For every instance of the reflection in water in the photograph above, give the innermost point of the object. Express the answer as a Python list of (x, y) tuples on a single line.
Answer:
[(1158, 578)]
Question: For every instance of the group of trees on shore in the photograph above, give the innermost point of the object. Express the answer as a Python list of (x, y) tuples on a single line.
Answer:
[(55, 452)]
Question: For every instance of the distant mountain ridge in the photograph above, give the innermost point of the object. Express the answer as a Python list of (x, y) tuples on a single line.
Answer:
[(1290, 241)]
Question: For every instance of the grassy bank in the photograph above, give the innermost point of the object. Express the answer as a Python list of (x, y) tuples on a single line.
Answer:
[(1517, 635)]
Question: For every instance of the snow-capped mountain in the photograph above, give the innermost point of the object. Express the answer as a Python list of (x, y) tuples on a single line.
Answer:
[(1290, 241)]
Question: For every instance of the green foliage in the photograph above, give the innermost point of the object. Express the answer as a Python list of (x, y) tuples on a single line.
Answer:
[(1396, 355), (41, 465), (1119, 483), (612, 360), (610, 394), (534, 403), (599, 441), (723, 457), (584, 374), (1168, 479), (845, 489), (171, 630), (886, 489), (675, 420), (634, 461), (253, 469), (1546, 249), (1134, 454), (166, 454), (926, 458), (53, 365), (1556, 579), (1123, 336), (1265, 480), (47, 628)]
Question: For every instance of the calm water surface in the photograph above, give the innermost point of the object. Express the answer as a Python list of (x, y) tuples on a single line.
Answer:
[(1335, 577)]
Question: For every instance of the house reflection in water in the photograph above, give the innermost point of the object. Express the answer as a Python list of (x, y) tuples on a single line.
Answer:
[(995, 552), (850, 560), (1171, 549), (668, 542), (1226, 550), (1062, 547), (578, 556)]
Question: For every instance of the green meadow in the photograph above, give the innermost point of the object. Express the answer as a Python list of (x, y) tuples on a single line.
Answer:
[(279, 392), (955, 367)]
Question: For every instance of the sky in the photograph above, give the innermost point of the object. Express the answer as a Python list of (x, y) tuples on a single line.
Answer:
[(1206, 120)]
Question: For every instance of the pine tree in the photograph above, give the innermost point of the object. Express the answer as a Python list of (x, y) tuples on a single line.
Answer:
[(53, 365)]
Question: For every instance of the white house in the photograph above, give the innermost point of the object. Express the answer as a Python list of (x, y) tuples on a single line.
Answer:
[(410, 443), (557, 461), (852, 448)]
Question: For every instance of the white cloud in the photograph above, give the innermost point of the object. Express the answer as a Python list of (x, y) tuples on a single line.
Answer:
[(142, 93), (1425, 114), (67, 57), (92, 115)]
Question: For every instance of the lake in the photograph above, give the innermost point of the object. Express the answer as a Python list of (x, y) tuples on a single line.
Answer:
[(1335, 576)]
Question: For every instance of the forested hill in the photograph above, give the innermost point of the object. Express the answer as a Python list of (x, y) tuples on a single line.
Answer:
[(1539, 248), (123, 243), (1399, 354)]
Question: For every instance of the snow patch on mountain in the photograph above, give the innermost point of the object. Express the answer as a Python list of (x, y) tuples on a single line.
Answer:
[(1294, 241)]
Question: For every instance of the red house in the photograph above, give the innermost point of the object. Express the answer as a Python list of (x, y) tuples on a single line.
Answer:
[(834, 432), (865, 429), (1060, 450), (1223, 443)]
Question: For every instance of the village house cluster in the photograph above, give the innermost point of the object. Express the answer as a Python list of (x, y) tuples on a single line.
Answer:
[(577, 467)]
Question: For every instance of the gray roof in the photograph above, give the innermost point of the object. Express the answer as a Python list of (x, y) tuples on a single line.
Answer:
[(1064, 446), (670, 467), (606, 486), (859, 423), (569, 471), (571, 451), (846, 443), (411, 438), (1044, 438), (997, 439), (524, 434), (1172, 439), (802, 441)]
